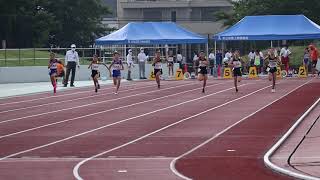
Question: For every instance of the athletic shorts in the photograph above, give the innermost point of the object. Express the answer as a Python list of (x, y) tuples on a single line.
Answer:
[(273, 69), (53, 72), (314, 63), (306, 61), (94, 73), (116, 73), (157, 70), (203, 70), (237, 72)]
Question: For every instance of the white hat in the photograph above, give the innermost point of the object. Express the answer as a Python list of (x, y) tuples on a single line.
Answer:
[(141, 48), (73, 46), (130, 50)]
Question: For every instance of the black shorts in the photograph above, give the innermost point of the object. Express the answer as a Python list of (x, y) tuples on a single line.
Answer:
[(314, 63), (203, 70), (94, 73), (273, 70), (157, 70), (237, 72)]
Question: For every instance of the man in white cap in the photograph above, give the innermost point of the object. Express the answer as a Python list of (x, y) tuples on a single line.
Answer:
[(130, 64), (142, 60), (72, 60)]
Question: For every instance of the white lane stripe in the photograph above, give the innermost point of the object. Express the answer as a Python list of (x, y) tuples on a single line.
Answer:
[(112, 124), (64, 101), (62, 95), (90, 104), (76, 168), (172, 164), (277, 168), (101, 112), (64, 159)]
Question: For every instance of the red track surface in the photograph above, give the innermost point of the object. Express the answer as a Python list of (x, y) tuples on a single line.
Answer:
[(40, 144)]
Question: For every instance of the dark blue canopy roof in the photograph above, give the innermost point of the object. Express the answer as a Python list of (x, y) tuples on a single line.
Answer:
[(271, 27), (151, 33)]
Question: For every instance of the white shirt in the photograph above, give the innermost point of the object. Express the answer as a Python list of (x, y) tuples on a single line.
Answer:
[(129, 60), (195, 58), (179, 57), (142, 57), (285, 52), (228, 55), (95, 66), (72, 56), (212, 56), (251, 55)]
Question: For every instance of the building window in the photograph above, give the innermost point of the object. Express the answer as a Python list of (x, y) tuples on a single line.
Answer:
[(208, 14), (173, 16), (152, 15)]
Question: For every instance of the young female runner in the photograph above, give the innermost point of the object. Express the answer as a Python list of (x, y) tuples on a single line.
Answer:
[(236, 64), (272, 68), (170, 63), (157, 67), (203, 72), (52, 66), (116, 66), (94, 65)]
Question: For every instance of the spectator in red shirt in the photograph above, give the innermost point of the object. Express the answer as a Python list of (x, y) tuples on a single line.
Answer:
[(314, 55)]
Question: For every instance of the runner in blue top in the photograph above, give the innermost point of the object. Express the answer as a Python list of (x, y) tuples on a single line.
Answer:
[(52, 66), (116, 67)]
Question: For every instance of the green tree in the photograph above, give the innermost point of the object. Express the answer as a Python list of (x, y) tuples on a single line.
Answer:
[(33, 22), (79, 21), (242, 8)]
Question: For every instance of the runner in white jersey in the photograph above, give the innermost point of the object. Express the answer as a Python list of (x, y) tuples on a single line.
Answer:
[(236, 64), (170, 63), (203, 70), (157, 67), (272, 68), (94, 65)]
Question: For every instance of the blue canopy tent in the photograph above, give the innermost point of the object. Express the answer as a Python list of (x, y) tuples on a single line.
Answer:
[(271, 27), (147, 33)]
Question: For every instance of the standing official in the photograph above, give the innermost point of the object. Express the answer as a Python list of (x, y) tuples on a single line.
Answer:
[(72, 60), (142, 57), (130, 64)]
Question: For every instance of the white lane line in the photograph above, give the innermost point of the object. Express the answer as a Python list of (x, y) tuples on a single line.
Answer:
[(64, 159), (115, 123), (90, 104), (101, 112), (61, 95), (172, 164), (71, 100), (277, 168), (76, 168)]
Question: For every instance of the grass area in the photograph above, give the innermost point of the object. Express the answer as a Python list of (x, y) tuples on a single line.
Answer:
[(10, 58), (295, 58)]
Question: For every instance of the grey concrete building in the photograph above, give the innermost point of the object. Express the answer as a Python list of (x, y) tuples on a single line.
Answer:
[(196, 15)]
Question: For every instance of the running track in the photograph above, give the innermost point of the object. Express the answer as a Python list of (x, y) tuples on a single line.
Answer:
[(145, 133)]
